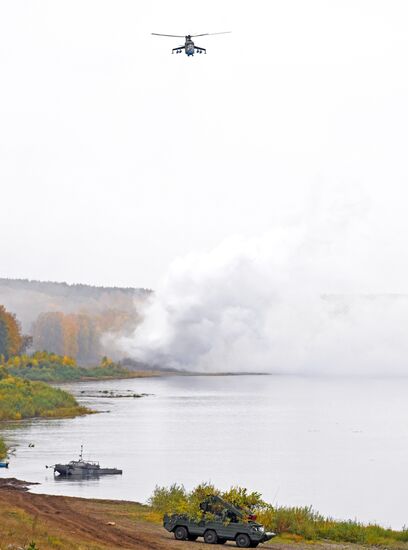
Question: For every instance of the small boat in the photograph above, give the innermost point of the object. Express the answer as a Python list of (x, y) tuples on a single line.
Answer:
[(83, 468), (4, 464)]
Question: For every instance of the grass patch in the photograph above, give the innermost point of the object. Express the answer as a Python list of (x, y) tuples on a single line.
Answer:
[(307, 524), (129, 512), (20, 529)]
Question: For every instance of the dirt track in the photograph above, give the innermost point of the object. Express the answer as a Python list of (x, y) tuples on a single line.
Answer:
[(81, 524), (86, 521)]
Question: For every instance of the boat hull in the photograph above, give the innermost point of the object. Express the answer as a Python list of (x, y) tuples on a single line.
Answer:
[(68, 471)]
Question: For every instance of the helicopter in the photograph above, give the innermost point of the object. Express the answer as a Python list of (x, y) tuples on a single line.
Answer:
[(189, 47)]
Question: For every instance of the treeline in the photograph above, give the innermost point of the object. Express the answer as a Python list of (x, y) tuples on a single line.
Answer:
[(12, 341), (74, 335), (74, 289), (50, 367), (78, 335)]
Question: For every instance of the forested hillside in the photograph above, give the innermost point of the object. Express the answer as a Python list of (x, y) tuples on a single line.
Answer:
[(70, 319), (27, 299)]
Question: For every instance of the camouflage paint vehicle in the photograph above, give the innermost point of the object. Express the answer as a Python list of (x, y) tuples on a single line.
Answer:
[(220, 522)]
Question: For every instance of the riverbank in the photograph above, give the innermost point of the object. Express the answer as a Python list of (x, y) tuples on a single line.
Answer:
[(63, 523), (21, 399)]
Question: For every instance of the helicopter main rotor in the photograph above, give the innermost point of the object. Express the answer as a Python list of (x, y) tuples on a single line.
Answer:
[(190, 35)]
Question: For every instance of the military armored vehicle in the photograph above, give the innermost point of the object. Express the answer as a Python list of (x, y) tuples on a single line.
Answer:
[(220, 522), (83, 468)]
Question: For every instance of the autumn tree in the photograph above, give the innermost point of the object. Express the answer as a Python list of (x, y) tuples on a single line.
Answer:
[(74, 335), (88, 338), (70, 330), (3, 334), (48, 332), (12, 342), (78, 335)]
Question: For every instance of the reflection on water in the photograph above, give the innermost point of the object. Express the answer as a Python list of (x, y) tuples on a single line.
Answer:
[(340, 445), (76, 478)]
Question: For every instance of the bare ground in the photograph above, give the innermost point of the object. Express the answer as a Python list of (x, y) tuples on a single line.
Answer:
[(66, 523)]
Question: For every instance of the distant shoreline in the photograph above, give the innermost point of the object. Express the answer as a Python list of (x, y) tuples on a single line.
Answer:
[(159, 374)]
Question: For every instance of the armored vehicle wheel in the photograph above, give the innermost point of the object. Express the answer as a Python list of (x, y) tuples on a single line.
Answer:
[(243, 541), (180, 533), (210, 537)]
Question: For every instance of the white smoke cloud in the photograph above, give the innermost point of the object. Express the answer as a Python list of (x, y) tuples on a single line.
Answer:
[(287, 302)]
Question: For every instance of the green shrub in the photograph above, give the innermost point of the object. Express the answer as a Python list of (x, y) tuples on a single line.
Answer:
[(3, 449), (176, 499), (24, 399), (169, 500)]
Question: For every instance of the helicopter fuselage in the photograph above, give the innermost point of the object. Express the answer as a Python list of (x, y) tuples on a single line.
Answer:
[(189, 47)]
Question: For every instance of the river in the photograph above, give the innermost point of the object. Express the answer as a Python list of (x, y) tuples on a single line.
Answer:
[(340, 445)]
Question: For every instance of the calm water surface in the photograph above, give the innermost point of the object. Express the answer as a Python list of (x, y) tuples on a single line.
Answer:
[(340, 445)]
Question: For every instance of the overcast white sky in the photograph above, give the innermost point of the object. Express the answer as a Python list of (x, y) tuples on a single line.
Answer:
[(116, 157)]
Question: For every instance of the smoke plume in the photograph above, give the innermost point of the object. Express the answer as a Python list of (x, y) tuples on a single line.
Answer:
[(292, 301)]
